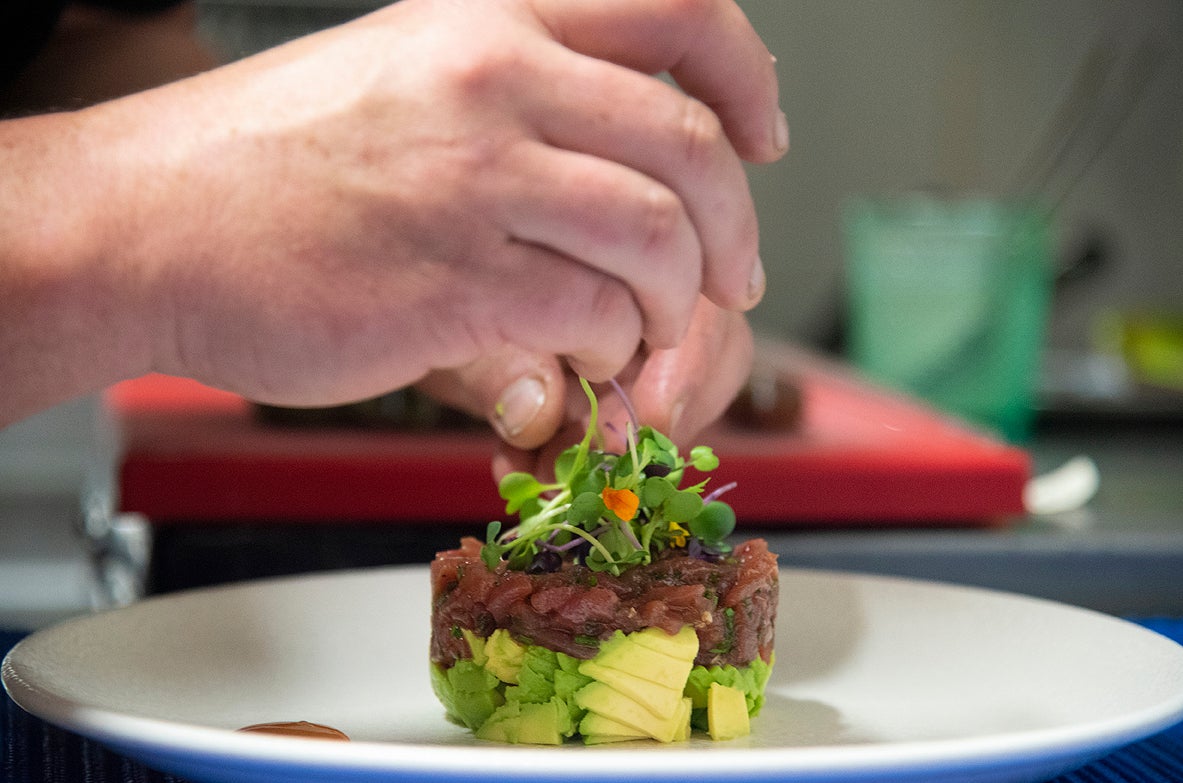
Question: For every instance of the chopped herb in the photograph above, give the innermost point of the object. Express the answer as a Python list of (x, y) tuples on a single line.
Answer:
[(728, 642)]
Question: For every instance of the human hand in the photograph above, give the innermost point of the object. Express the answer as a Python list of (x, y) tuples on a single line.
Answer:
[(439, 182), (536, 406)]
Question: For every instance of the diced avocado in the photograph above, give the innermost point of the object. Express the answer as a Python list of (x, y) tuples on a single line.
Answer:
[(727, 713), (545, 724), (439, 685), (596, 730), (468, 677), (568, 663), (567, 676), (682, 645), (640, 685), (468, 692), (566, 683), (655, 697), (750, 679), (548, 723), (683, 721), (536, 677), (505, 656), (473, 709), (476, 645), (612, 704), (624, 654)]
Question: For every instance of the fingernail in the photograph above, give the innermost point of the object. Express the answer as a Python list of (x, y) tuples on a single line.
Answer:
[(781, 132), (519, 404), (757, 282)]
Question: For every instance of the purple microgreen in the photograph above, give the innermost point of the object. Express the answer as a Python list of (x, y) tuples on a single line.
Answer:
[(628, 404), (715, 494), (627, 529)]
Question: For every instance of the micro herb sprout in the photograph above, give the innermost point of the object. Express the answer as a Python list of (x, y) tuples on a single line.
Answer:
[(609, 511)]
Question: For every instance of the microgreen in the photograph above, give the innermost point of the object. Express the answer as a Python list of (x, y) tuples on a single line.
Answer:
[(611, 511)]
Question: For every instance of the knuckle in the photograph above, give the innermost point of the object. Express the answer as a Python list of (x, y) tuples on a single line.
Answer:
[(486, 72), (609, 302), (700, 132), (660, 219)]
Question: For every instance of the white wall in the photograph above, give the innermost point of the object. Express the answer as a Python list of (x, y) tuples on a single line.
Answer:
[(889, 96)]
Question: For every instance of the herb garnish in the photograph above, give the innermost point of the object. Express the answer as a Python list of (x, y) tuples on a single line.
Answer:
[(611, 511)]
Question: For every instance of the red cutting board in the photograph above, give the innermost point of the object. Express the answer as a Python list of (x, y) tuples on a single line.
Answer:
[(858, 456)]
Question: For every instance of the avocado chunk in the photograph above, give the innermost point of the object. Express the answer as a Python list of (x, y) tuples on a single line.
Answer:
[(596, 730), (476, 646), (682, 645), (468, 692), (627, 653), (727, 713), (548, 723), (536, 676), (504, 656), (655, 697), (601, 699), (637, 689)]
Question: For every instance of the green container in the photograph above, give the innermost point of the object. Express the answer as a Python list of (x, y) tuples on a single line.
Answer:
[(948, 301)]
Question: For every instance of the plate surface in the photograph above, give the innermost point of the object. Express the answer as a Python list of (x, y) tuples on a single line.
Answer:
[(876, 678)]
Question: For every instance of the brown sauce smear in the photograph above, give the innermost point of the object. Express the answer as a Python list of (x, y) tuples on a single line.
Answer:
[(298, 728)]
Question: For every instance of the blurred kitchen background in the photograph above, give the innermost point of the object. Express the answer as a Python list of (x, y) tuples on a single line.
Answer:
[(1074, 106)]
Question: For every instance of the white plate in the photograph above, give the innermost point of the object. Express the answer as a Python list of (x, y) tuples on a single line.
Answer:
[(876, 678)]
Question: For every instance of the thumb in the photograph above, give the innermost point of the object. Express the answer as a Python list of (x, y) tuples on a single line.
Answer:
[(520, 394)]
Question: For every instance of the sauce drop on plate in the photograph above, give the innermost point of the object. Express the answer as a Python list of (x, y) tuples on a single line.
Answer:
[(298, 728)]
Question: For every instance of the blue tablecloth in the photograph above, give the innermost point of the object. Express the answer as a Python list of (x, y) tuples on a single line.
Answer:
[(36, 752)]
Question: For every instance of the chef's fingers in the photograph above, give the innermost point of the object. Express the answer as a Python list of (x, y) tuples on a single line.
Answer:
[(680, 392), (544, 302), (683, 390), (708, 46), (612, 113), (611, 218), (521, 394)]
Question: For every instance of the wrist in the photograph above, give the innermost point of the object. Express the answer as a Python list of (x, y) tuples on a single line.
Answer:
[(73, 314)]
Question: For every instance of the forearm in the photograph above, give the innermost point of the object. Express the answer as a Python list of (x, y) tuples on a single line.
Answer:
[(70, 319), (75, 314)]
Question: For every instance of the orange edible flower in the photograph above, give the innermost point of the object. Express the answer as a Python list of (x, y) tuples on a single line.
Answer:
[(621, 502)]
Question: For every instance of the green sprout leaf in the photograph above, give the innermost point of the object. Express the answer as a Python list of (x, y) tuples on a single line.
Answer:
[(656, 491), (516, 488), (660, 441), (703, 458), (683, 506), (713, 523), (491, 551), (565, 464), (586, 509)]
